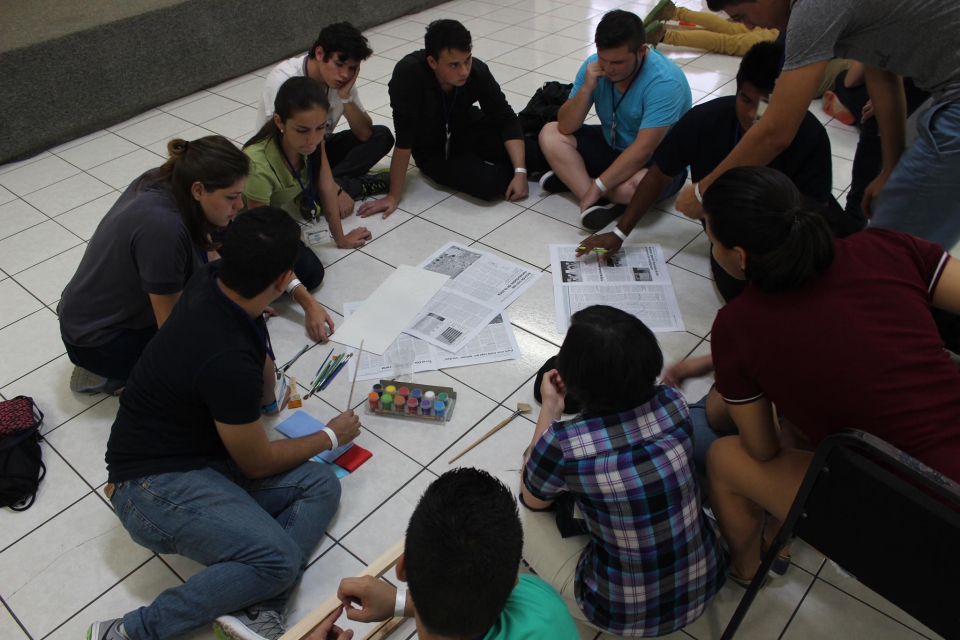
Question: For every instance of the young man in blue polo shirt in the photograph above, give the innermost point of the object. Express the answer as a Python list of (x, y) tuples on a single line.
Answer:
[(639, 94), (709, 132)]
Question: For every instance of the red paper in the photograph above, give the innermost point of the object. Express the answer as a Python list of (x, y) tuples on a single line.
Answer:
[(353, 457)]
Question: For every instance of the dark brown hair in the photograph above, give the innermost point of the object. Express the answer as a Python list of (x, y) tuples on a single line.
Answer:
[(214, 162)]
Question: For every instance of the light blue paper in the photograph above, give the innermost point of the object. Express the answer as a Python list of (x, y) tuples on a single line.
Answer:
[(302, 424)]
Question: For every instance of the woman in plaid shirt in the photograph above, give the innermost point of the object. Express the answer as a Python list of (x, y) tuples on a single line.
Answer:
[(649, 562)]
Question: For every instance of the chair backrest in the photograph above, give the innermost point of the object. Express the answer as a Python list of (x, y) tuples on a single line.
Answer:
[(884, 517)]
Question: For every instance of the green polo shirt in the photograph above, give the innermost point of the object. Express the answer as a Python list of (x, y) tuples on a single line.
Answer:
[(270, 179), (534, 611)]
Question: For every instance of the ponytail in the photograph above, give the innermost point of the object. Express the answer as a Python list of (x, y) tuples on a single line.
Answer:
[(760, 210), (214, 162)]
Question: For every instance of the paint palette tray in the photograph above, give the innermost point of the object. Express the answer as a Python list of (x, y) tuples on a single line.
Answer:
[(450, 402)]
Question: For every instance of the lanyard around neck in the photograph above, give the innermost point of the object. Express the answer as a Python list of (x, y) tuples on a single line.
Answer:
[(616, 103), (264, 335), (309, 195), (446, 117)]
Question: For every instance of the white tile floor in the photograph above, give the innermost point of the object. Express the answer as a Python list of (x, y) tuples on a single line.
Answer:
[(70, 549)]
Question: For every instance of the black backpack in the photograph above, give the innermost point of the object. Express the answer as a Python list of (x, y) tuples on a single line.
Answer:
[(543, 107), (21, 461)]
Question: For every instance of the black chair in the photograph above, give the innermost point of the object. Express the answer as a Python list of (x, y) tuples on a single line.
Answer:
[(861, 505)]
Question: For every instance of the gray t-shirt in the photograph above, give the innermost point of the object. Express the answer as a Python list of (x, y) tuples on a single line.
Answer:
[(141, 246), (917, 39)]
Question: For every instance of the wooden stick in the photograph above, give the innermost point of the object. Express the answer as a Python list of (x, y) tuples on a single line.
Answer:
[(376, 569), (488, 434), (356, 370), (384, 629)]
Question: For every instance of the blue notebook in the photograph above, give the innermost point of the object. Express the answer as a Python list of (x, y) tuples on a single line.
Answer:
[(303, 424)]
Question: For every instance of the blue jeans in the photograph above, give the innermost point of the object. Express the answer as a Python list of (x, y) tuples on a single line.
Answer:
[(703, 434), (255, 537), (920, 198)]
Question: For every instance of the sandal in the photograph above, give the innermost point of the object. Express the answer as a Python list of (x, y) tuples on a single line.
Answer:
[(745, 582), (780, 564)]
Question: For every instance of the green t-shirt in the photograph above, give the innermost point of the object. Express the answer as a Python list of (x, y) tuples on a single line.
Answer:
[(534, 611), (270, 179)]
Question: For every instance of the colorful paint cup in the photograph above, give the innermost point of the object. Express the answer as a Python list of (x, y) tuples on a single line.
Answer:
[(386, 402), (378, 389), (426, 407), (374, 399), (429, 395), (412, 405), (392, 390), (442, 397), (440, 409), (416, 393)]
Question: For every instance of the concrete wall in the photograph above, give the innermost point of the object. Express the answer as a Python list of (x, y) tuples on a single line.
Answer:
[(69, 85)]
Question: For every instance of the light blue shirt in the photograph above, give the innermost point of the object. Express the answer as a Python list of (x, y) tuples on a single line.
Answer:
[(658, 98)]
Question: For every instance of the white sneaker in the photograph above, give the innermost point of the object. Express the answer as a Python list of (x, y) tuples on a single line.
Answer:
[(247, 624)]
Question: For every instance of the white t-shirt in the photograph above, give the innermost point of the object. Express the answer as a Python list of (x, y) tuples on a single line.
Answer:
[(290, 69)]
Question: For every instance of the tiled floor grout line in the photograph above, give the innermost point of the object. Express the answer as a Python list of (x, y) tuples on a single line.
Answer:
[(16, 620)]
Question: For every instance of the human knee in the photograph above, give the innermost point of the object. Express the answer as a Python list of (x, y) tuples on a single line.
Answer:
[(550, 136), (722, 457), (321, 481), (381, 137)]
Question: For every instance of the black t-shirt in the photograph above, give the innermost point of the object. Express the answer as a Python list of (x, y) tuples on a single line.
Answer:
[(204, 364), (418, 104), (706, 135)]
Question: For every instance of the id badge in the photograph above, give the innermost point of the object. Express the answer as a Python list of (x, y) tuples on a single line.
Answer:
[(761, 108), (316, 233)]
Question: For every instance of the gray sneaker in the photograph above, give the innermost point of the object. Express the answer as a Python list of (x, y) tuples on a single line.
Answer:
[(83, 381), (373, 184), (247, 624), (107, 630)]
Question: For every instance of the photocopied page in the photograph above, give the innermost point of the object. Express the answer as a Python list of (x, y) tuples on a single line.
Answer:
[(390, 309), (495, 342), (635, 280), (480, 286)]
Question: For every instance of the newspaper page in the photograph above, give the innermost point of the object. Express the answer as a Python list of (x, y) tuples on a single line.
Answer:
[(495, 342), (480, 287), (635, 280)]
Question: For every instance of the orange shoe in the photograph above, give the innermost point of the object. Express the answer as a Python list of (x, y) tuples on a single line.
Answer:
[(834, 108)]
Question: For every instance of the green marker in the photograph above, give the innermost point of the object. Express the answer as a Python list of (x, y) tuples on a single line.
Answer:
[(595, 249)]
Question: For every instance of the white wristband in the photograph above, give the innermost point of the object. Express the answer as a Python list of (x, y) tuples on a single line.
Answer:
[(334, 443), (346, 100), (696, 192), (600, 186), (293, 285), (400, 606), (519, 170), (620, 234)]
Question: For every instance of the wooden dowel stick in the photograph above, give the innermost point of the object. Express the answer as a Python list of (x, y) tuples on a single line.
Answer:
[(384, 629), (356, 370), (376, 569), (486, 435)]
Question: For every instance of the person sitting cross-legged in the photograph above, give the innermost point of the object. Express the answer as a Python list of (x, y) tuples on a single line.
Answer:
[(707, 134), (190, 468), (479, 151), (460, 561), (639, 94)]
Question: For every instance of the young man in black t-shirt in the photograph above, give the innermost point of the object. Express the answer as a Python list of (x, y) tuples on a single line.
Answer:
[(191, 470), (432, 92), (708, 132)]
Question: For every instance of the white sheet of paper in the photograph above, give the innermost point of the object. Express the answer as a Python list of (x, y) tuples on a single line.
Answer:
[(390, 309), (635, 280)]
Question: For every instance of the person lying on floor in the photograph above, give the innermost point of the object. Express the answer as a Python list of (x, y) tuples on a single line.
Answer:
[(817, 314), (334, 62), (460, 561), (707, 134), (639, 94), (190, 468), (612, 514), (479, 151)]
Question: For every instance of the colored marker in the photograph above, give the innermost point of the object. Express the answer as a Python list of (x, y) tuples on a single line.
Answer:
[(595, 249), (333, 375)]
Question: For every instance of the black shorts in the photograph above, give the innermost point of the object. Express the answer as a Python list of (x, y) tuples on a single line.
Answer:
[(593, 148)]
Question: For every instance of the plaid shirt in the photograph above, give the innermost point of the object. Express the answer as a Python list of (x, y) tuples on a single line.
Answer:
[(653, 562)]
